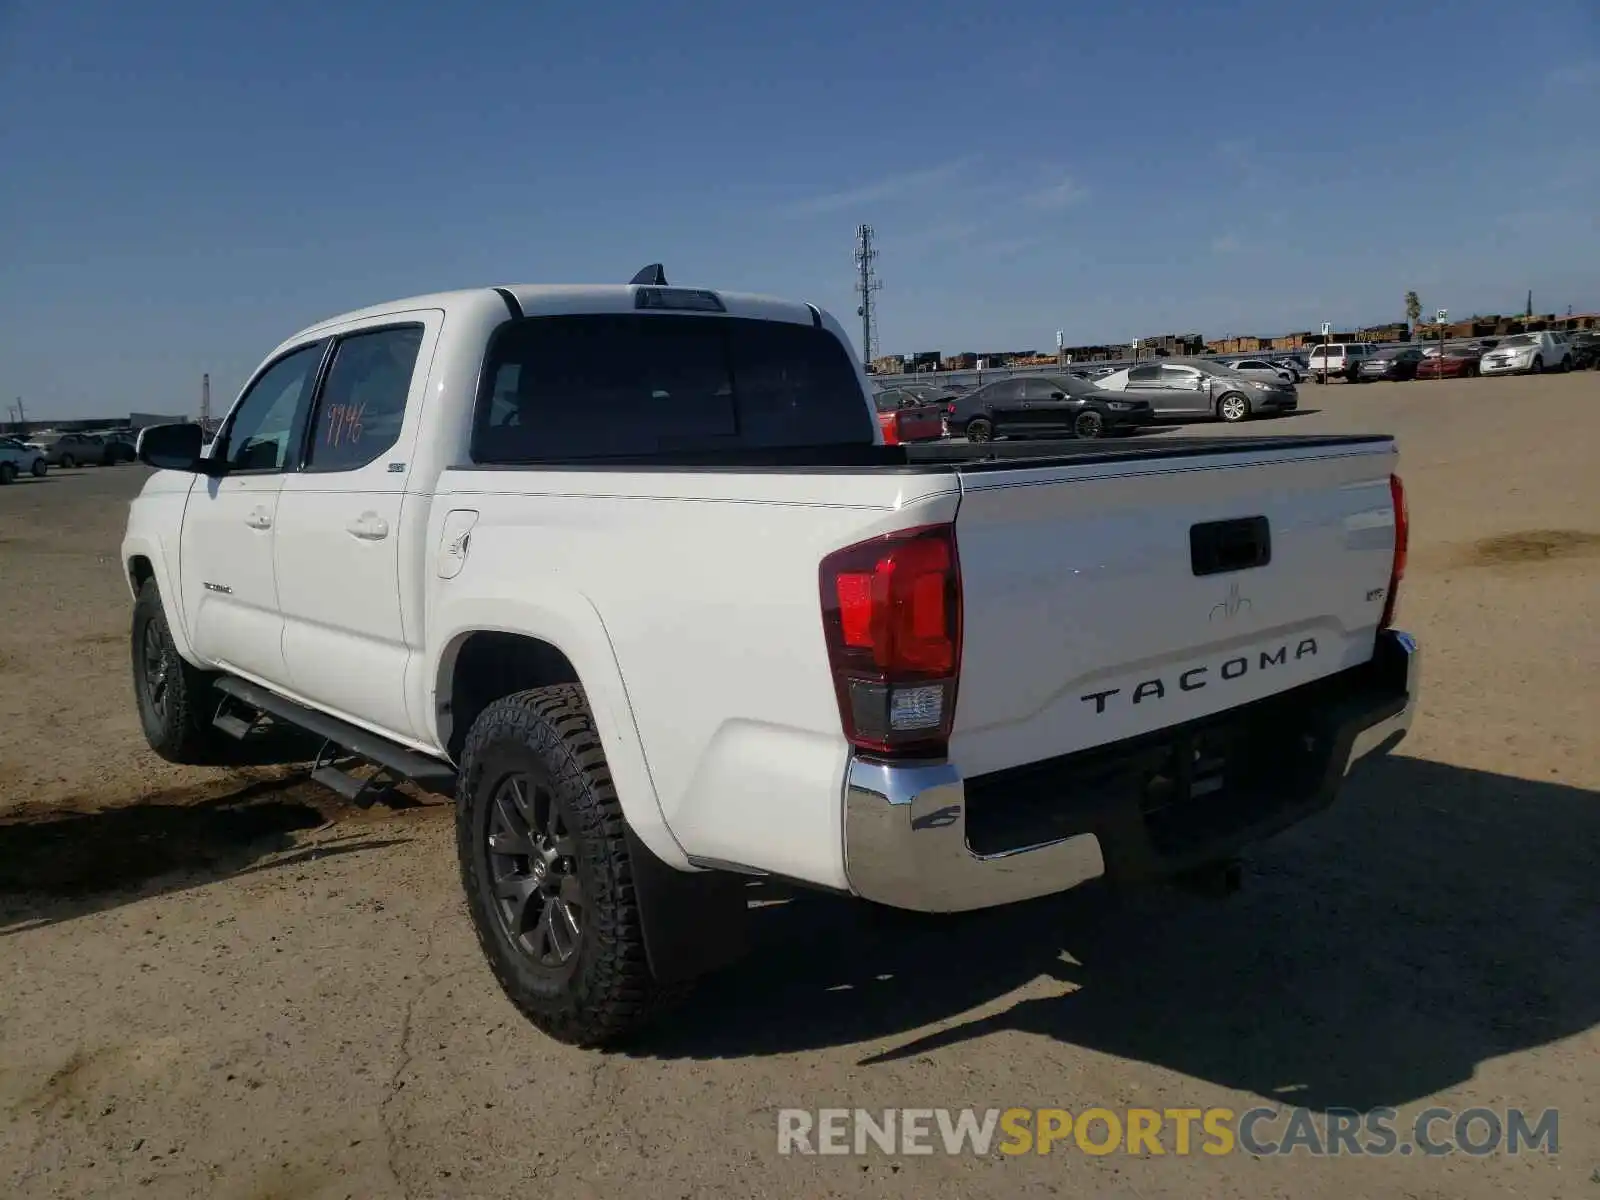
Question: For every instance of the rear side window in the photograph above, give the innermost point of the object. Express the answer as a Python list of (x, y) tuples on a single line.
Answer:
[(628, 384), (363, 401), (1144, 374)]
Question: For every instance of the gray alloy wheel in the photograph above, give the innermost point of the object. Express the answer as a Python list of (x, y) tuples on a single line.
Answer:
[(1233, 407)]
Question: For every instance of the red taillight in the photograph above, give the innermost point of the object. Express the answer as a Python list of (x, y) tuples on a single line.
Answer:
[(890, 424), (891, 614), (1402, 544)]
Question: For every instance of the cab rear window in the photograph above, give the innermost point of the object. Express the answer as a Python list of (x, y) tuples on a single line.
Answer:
[(633, 384)]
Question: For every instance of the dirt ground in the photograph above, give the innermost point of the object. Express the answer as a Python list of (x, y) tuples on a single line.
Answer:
[(230, 984)]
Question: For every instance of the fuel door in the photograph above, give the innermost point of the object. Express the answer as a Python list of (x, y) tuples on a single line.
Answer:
[(455, 540)]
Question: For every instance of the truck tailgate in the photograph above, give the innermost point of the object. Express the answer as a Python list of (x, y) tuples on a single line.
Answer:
[(1107, 599)]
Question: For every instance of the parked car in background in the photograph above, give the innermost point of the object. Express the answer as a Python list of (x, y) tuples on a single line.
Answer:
[(1044, 405), (1396, 362), (1292, 363), (1457, 362), (83, 449), (19, 458), (1527, 354), (1586, 351), (1188, 389), (1341, 360), (1260, 368), (904, 417)]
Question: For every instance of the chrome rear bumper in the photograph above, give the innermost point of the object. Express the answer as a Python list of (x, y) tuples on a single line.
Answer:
[(905, 824)]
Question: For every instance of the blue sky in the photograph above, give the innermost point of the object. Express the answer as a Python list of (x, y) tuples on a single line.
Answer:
[(183, 184)]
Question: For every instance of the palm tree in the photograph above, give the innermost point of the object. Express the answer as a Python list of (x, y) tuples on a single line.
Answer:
[(1413, 308)]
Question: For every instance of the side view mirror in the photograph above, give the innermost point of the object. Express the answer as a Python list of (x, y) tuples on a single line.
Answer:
[(173, 448)]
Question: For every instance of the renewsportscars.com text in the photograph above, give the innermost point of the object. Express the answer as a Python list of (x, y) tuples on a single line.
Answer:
[(1264, 1131)]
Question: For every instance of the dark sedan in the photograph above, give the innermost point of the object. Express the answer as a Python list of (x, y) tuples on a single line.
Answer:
[(1457, 362), (1390, 364), (1045, 406)]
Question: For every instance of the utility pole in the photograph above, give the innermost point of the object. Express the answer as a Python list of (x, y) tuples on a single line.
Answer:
[(867, 284), (205, 402), (22, 413)]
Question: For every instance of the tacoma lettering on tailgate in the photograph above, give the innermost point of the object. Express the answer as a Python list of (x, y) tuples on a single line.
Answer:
[(1198, 677)]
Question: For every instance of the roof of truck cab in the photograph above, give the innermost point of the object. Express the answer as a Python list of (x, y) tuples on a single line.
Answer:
[(547, 299)]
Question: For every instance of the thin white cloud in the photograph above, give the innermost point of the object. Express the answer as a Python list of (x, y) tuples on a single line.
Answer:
[(892, 187), (1062, 194), (1572, 76)]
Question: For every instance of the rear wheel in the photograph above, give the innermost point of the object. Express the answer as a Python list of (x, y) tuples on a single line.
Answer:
[(547, 872), (40, 467), (1233, 407), (68, 462), (980, 429), (1088, 424), (8, 472)]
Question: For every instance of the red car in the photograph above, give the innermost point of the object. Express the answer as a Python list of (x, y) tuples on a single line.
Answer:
[(905, 417), (1454, 363)]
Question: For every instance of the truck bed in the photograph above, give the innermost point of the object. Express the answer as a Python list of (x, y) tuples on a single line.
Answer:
[(934, 457), (1086, 620)]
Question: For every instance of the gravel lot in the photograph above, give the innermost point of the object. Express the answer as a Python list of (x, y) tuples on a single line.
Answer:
[(229, 984)]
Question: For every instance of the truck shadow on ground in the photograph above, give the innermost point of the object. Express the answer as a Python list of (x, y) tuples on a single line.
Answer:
[(1435, 918), (59, 865)]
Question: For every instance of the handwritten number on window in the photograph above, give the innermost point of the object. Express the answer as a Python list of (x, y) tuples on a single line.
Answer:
[(344, 424)]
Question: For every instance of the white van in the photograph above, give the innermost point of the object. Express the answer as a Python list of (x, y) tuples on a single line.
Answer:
[(1339, 358)]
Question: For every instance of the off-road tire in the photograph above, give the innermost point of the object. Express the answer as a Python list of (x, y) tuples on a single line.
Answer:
[(180, 730), (605, 991)]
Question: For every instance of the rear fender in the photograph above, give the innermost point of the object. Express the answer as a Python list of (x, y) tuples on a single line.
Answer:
[(570, 623)]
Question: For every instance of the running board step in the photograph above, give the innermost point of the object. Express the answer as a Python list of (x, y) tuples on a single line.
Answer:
[(233, 726), (357, 791), (431, 774)]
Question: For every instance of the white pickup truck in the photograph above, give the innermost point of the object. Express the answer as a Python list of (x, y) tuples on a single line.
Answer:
[(629, 572)]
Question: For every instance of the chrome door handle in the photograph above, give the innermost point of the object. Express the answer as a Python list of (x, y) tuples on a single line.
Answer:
[(369, 527), (259, 518)]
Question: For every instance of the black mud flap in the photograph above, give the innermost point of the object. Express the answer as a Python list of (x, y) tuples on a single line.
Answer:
[(695, 922)]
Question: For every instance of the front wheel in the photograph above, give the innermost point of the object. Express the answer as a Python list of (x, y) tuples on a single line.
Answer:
[(1538, 366), (1233, 408), (980, 429), (546, 868), (68, 462), (1088, 425), (174, 698), (8, 472), (39, 468)]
